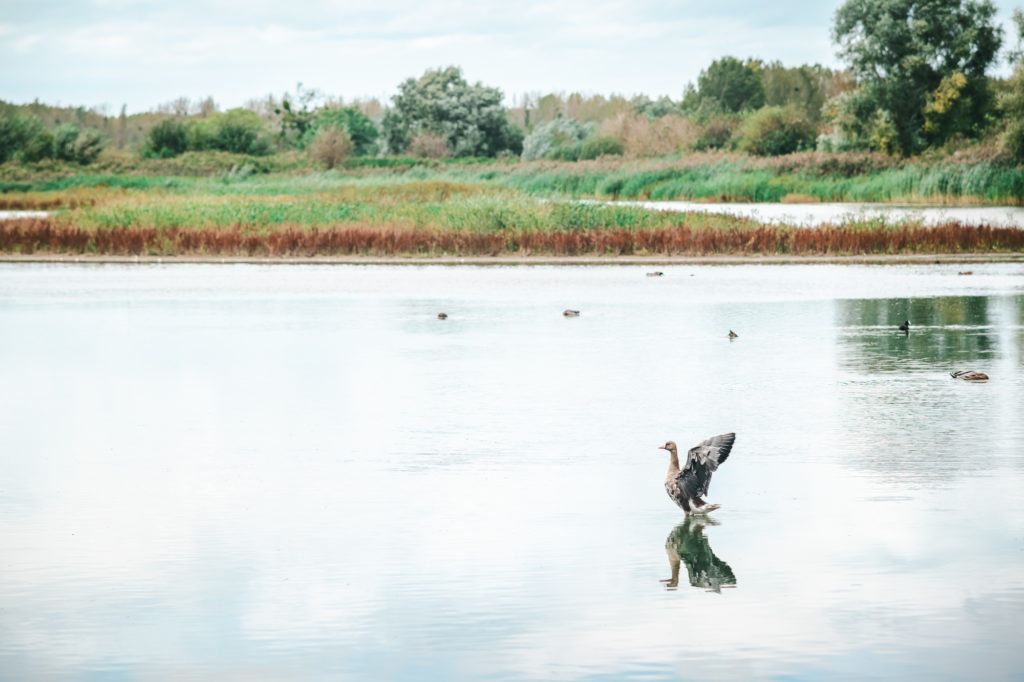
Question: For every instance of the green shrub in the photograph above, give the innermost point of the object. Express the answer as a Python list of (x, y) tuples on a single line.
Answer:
[(715, 133), (166, 139), (356, 125), (773, 131), (1014, 141), (39, 147), (89, 147), (65, 138), (601, 145), (16, 131), (557, 139), (239, 131)]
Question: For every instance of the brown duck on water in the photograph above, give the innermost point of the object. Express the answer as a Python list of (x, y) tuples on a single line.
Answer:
[(969, 375), (687, 485)]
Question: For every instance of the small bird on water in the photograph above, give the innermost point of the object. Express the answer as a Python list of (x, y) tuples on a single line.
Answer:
[(905, 327), (733, 335), (656, 273), (442, 316), (687, 484), (571, 313)]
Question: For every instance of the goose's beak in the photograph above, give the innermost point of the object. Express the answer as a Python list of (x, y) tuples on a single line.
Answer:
[(662, 447)]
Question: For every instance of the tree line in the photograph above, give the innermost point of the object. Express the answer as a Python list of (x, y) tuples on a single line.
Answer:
[(916, 79)]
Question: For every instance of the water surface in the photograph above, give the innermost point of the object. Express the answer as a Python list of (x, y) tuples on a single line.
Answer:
[(816, 214), (299, 472)]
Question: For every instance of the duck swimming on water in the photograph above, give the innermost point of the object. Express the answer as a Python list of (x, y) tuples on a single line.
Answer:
[(969, 375), (569, 312), (687, 484), (905, 327)]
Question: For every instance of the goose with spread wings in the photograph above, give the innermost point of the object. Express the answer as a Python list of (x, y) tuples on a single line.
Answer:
[(688, 484)]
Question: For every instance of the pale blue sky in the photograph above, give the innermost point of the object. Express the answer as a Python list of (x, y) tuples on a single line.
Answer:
[(143, 52)]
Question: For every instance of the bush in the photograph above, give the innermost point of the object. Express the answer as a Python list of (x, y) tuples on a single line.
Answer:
[(239, 131), (715, 133), (330, 146), (65, 136), (643, 136), (357, 125), (39, 147), (773, 131), (1014, 141), (166, 139), (89, 147), (561, 138), (429, 145), (600, 145), (16, 131)]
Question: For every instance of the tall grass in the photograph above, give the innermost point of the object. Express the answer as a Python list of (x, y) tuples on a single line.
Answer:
[(740, 180), (49, 236), (729, 177)]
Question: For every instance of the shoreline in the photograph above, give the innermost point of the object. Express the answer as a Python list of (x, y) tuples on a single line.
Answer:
[(895, 259)]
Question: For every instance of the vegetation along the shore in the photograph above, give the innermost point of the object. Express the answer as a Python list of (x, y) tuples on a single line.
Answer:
[(450, 166)]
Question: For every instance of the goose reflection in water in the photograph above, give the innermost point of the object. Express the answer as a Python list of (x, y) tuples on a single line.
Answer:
[(688, 544)]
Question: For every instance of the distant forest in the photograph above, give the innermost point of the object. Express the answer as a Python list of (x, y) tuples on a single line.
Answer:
[(917, 80)]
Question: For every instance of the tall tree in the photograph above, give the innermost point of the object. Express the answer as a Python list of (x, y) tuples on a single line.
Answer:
[(735, 85), (921, 63), (470, 118)]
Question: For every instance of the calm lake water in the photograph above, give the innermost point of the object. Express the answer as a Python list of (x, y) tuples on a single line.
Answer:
[(299, 472), (813, 215)]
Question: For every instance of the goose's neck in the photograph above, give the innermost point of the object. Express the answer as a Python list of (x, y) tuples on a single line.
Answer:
[(673, 463)]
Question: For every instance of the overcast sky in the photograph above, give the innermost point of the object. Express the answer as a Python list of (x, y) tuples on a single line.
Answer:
[(147, 52)]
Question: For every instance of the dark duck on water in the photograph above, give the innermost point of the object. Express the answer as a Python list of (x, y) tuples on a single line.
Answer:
[(688, 484)]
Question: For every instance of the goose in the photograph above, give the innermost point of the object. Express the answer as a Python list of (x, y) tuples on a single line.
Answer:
[(969, 375), (686, 485), (905, 327), (568, 312)]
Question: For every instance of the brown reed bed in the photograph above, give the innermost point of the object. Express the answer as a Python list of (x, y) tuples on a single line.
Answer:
[(46, 235), (44, 201)]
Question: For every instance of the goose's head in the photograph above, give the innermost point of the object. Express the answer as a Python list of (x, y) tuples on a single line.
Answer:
[(670, 446)]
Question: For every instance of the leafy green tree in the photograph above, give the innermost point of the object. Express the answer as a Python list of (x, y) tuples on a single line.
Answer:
[(298, 117), (354, 123), (1012, 101), (734, 85), (470, 118), (901, 51), (807, 87)]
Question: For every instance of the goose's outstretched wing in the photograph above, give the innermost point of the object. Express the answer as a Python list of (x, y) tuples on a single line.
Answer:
[(695, 477)]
